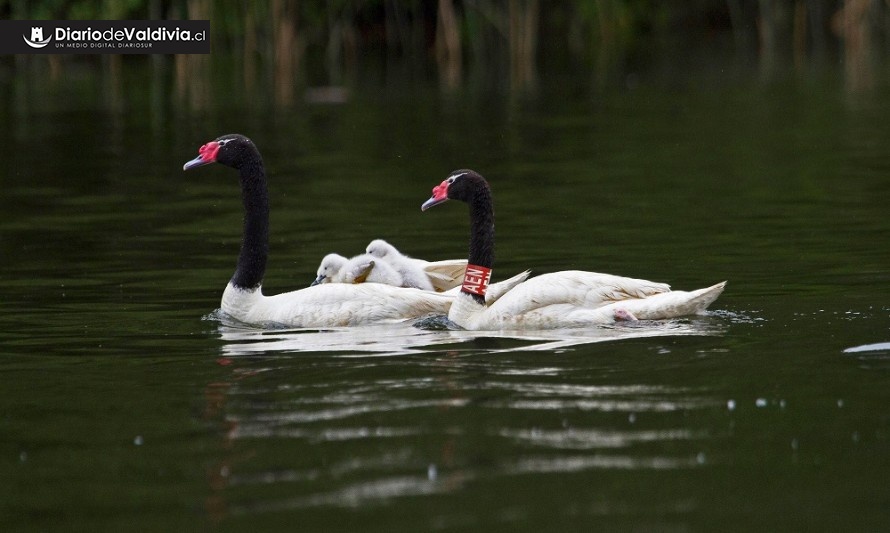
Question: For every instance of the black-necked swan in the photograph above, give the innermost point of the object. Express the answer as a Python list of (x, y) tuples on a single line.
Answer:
[(568, 298), (325, 305), (441, 275), (364, 268)]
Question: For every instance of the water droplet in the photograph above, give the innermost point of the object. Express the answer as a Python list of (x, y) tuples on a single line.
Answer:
[(761, 402), (700, 458), (840, 403), (795, 444), (138, 440), (432, 472), (632, 418), (730, 404)]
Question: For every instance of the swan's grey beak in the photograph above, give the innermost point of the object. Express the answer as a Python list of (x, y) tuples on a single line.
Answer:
[(440, 194), (433, 201), (196, 162), (319, 280)]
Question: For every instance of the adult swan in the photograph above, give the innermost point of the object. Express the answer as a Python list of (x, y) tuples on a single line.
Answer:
[(320, 306), (569, 298)]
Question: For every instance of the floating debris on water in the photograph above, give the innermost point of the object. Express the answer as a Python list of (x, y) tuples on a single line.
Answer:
[(877, 347)]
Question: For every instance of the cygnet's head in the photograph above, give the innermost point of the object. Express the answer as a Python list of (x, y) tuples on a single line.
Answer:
[(328, 269), (382, 249)]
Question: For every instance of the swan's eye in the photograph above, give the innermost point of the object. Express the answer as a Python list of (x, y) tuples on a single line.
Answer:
[(451, 179)]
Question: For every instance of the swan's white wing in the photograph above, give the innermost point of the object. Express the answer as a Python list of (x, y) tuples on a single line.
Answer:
[(576, 288), (445, 274), (496, 290)]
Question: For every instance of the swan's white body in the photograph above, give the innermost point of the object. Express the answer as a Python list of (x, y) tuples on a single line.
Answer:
[(332, 305), (428, 275), (335, 268), (579, 299), (344, 304)]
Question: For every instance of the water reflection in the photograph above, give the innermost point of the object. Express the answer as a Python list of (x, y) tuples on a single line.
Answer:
[(455, 420), (389, 453), (405, 338)]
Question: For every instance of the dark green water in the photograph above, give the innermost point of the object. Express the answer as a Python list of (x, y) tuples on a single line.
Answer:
[(126, 405)]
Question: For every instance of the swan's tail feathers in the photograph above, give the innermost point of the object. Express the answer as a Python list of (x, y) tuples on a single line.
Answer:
[(446, 274), (670, 304), (496, 290), (702, 298)]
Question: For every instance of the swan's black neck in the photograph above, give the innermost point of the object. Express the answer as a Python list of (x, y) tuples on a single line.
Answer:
[(481, 230), (255, 239)]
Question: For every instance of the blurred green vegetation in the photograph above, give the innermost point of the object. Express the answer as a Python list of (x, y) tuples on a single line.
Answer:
[(510, 39)]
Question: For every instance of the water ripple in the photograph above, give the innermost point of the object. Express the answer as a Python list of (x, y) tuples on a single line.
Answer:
[(565, 464), (356, 494), (589, 439)]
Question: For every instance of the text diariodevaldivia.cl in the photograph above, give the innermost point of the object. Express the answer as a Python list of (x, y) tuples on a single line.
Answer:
[(129, 34)]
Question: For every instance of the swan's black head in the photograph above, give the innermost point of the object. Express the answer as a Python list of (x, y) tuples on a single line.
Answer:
[(463, 185), (231, 150)]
